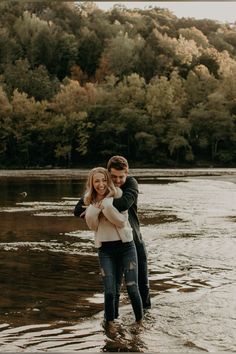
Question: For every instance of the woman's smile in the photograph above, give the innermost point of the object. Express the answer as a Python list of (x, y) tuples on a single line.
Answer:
[(100, 184)]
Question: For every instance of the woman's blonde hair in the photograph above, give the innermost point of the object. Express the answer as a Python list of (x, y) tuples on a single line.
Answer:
[(90, 193)]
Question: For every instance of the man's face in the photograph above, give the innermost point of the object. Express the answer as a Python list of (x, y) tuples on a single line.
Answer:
[(118, 177)]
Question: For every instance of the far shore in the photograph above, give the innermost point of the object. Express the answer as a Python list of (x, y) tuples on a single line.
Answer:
[(226, 174)]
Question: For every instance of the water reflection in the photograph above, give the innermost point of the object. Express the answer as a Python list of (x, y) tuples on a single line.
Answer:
[(42, 286), (51, 293)]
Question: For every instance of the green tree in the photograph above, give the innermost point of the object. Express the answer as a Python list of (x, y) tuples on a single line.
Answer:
[(89, 53), (147, 65), (178, 139), (212, 129), (34, 82), (131, 91), (122, 53), (44, 43), (198, 85), (69, 136), (165, 97), (73, 97), (10, 50), (5, 131), (26, 113), (142, 83)]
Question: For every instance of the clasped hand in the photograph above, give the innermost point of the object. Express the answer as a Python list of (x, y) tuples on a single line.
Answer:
[(98, 205)]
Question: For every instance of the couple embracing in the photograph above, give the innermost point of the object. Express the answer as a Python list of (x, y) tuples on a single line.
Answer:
[(109, 206)]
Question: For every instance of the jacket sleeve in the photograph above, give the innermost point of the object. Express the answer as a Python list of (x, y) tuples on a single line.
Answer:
[(130, 195), (112, 214), (92, 217), (78, 208)]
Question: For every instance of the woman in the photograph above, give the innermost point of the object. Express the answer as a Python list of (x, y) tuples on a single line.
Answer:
[(114, 240)]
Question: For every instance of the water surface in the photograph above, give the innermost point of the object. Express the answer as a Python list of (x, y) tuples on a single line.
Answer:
[(51, 293)]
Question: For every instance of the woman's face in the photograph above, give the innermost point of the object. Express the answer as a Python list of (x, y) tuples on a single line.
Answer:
[(100, 184)]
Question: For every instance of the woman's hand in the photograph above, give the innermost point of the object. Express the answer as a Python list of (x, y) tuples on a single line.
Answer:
[(98, 205)]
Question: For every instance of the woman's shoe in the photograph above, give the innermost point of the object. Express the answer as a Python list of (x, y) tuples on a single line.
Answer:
[(110, 328)]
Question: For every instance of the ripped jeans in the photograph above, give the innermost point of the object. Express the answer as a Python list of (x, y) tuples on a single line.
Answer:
[(114, 256)]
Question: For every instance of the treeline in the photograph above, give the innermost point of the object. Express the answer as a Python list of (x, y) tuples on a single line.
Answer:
[(78, 84)]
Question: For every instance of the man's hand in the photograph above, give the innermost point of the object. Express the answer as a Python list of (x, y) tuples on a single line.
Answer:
[(83, 214)]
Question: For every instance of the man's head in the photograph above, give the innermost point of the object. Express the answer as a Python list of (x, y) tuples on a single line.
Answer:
[(118, 168)]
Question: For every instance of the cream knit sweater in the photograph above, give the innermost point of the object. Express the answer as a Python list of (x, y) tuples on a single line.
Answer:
[(108, 223)]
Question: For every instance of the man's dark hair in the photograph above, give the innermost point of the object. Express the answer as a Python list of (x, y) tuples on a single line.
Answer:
[(118, 163)]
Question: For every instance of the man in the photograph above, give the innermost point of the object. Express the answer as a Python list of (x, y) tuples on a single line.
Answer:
[(118, 168)]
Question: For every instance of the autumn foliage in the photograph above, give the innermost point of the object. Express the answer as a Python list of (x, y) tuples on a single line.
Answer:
[(78, 84)]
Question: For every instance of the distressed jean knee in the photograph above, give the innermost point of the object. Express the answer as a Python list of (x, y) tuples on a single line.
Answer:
[(132, 266), (132, 288)]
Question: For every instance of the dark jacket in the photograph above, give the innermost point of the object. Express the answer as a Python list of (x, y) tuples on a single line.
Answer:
[(128, 201)]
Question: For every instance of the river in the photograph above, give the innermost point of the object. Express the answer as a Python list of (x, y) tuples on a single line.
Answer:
[(51, 293)]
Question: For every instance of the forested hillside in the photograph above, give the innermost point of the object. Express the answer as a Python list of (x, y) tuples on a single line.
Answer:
[(78, 84)]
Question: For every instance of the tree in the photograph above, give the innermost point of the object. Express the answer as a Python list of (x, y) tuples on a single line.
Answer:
[(122, 53), (44, 43), (25, 117), (10, 50), (5, 131), (178, 139), (198, 85), (131, 91), (137, 82), (147, 65), (73, 97), (34, 82), (186, 51), (103, 70), (195, 34), (69, 135), (210, 58), (26, 28), (165, 97), (212, 128), (65, 55), (77, 74), (90, 50)]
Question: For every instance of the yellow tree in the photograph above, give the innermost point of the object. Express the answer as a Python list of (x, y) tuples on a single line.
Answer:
[(73, 97)]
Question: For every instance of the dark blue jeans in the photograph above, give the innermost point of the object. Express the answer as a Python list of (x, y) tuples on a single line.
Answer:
[(143, 282), (114, 256)]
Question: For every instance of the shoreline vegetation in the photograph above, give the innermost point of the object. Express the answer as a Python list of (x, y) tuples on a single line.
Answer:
[(142, 173), (79, 84)]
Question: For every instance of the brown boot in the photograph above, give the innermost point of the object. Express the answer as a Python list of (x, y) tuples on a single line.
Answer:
[(110, 329)]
